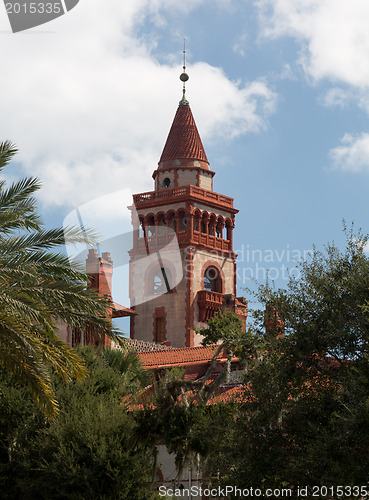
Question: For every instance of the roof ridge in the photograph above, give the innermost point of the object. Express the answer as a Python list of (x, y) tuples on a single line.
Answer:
[(182, 349)]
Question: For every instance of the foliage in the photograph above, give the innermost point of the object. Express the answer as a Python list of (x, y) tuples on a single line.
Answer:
[(304, 416), (306, 411), (88, 452), (225, 327), (38, 287), (176, 411), (127, 363)]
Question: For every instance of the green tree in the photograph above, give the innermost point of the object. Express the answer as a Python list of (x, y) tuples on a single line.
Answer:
[(305, 416), (177, 413), (89, 452), (127, 363), (37, 287)]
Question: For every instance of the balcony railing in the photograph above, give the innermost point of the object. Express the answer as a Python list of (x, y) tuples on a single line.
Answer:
[(160, 240), (182, 192), (212, 241), (209, 303)]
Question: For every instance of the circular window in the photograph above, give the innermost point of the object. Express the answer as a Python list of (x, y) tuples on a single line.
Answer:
[(166, 182)]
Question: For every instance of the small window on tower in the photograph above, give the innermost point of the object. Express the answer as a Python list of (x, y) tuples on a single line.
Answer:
[(212, 280), (159, 334), (166, 182)]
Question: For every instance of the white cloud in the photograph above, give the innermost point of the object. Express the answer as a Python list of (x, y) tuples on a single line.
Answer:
[(353, 153), (90, 108), (336, 97), (287, 73), (334, 36), (240, 44), (225, 108)]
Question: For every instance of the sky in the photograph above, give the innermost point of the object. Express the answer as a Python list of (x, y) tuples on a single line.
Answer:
[(279, 90)]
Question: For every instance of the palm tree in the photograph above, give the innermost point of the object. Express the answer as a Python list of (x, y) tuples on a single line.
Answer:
[(37, 287), (127, 363)]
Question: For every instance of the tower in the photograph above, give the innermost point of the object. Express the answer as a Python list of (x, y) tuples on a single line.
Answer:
[(182, 264)]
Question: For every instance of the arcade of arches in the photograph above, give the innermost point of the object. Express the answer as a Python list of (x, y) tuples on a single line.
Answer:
[(199, 227)]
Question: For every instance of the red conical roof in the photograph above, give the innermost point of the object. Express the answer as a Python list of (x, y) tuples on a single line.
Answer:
[(183, 141)]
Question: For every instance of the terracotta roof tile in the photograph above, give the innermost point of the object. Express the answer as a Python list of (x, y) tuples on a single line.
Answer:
[(231, 394), (120, 311), (224, 395), (184, 139), (180, 356)]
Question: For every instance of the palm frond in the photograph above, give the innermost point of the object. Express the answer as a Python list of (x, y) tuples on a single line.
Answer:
[(7, 151), (38, 288)]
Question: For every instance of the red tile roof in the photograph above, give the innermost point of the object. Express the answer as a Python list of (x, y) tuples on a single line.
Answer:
[(183, 356), (184, 139), (230, 394), (222, 395), (120, 311)]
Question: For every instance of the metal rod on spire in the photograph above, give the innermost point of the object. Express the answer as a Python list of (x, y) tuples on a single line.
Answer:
[(184, 77)]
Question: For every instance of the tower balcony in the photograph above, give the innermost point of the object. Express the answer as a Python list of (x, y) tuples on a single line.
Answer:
[(209, 303), (183, 193), (211, 241)]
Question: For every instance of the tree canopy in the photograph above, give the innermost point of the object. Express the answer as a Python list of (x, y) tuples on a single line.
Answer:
[(90, 451), (305, 416)]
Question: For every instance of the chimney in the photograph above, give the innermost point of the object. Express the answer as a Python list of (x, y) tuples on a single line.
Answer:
[(100, 272)]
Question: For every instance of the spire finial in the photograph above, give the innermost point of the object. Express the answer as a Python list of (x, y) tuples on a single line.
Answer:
[(184, 77)]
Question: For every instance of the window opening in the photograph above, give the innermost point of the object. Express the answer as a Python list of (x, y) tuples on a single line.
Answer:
[(162, 282), (212, 280), (160, 330)]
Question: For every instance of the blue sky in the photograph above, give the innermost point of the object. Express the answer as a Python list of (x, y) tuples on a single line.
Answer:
[(279, 90)]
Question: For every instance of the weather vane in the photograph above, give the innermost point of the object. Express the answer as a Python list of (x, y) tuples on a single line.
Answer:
[(184, 77)]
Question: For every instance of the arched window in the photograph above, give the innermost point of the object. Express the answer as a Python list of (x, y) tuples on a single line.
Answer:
[(229, 229), (162, 281), (182, 222), (141, 233), (212, 225), (151, 228), (171, 226), (161, 224), (196, 222), (219, 228), (204, 223), (171, 222), (212, 280)]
